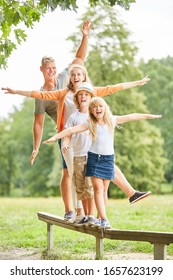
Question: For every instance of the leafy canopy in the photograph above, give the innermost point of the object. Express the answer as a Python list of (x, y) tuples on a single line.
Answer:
[(15, 16)]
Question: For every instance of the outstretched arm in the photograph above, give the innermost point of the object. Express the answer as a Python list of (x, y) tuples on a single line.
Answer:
[(136, 117), (66, 132), (142, 82), (14, 91), (103, 91)]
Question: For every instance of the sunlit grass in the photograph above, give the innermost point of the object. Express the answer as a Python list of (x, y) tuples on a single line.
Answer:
[(20, 227)]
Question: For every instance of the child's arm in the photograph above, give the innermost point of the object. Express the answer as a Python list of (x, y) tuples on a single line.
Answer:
[(135, 117), (67, 132)]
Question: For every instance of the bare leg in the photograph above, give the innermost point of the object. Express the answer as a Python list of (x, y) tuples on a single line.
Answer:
[(91, 206), (121, 181), (99, 187)]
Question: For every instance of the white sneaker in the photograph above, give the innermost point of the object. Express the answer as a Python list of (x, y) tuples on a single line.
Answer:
[(75, 219), (78, 218)]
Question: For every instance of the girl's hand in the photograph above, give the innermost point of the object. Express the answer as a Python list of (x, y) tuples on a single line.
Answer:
[(50, 140), (9, 90), (155, 116)]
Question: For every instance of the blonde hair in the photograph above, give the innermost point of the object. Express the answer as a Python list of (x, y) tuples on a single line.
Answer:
[(96, 101), (84, 72), (45, 59)]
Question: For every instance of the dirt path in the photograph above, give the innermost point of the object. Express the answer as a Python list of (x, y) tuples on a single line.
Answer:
[(34, 254)]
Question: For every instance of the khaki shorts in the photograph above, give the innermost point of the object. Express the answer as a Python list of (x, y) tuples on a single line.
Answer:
[(84, 188)]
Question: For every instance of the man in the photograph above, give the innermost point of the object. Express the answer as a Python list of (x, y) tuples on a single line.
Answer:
[(52, 81)]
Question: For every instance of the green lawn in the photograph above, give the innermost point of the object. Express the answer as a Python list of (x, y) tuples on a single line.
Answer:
[(20, 227)]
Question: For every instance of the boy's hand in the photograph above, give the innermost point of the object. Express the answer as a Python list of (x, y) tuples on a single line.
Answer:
[(50, 140)]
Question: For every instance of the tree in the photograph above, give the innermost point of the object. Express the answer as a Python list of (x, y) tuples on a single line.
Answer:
[(17, 176), (160, 100), (8, 165), (16, 15)]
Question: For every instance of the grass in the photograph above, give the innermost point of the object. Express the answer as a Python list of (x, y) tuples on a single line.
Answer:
[(20, 227)]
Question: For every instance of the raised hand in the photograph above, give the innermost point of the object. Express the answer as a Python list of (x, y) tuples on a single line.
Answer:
[(86, 28)]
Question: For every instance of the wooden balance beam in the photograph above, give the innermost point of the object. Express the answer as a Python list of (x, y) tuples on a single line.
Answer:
[(160, 240)]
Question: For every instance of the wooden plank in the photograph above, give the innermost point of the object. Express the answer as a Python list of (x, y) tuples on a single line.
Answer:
[(159, 239), (115, 234), (55, 220), (138, 235)]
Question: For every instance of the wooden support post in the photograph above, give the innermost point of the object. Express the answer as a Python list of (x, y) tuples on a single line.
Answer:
[(99, 248), (49, 237), (160, 251)]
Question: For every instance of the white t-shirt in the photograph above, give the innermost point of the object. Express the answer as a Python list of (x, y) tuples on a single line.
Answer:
[(104, 144), (70, 107), (81, 142)]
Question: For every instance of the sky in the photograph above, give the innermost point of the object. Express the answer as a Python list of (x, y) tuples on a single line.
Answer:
[(149, 21)]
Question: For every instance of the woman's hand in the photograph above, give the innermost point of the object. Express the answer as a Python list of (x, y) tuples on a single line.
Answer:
[(144, 81)]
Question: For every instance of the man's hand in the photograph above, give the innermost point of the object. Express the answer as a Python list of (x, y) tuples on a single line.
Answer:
[(33, 156), (86, 28), (9, 90)]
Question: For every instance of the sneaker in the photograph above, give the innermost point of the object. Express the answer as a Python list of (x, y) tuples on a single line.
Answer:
[(105, 224), (82, 222), (91, 221), (138, 196), (78, 218), (75, 219), (97, 223), (69, 215)]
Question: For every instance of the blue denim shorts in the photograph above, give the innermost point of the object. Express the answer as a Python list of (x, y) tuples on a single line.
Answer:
[(100, 166), (64, 165)]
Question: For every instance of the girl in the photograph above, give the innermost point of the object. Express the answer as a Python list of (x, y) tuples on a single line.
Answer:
[(100, 161)]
